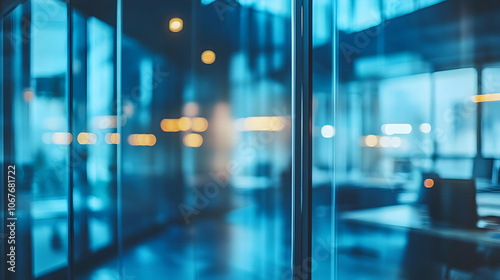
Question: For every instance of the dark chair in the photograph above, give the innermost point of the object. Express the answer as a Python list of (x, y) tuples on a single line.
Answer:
[(451, 203), (483, 168), (498, 177), (426, 193)]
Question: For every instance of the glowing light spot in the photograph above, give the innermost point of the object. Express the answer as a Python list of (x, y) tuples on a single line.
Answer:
[(260, 124), (175, 25), (112, 138), (371, 140), (276, 124), (200, 124), (208, 57), (391, 129), (142, 140), (425, 128), (385, 142), (28, 95), (328, 131), (128, 109), (87, 138), (184, 124), (191, 109), (62, 138), (429, 183), (170, 125), (486, 97), (396, 142), (193, 140)]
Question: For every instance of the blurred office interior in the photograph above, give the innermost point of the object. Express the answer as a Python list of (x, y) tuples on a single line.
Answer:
[(153, 139)]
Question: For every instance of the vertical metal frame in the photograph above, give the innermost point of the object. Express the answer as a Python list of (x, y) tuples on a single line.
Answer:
[(302, 138), (69, 89), (119, 153)]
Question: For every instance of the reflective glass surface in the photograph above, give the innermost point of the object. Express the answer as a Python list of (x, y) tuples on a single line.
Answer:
[(415, 160), (153, 139)]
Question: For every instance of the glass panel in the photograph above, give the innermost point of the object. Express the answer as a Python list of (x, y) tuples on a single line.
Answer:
[(95, 152), (206, 141), (49, 133), (491, 124), (178, 146), (36, 136), (101, 124), (415, 140), (455, 113), (324, 132)]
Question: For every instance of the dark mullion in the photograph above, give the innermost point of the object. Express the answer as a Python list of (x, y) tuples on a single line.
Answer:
[(302, 137), (69, 85)]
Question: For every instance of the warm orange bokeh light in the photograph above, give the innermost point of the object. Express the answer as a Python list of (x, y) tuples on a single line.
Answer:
[(62, 138), (170, 125), (193, 140), (28, 95), (87, 138), (200, 124), (208, 57), (113, 138), (429, 183), (486, 97), (184, 124), (260, 124), (142, 139), (371, 140), (175, 25)]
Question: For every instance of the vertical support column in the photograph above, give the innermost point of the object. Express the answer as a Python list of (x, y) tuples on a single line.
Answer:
[(119, 114), (302, 137), (69, 88), (8, 130)]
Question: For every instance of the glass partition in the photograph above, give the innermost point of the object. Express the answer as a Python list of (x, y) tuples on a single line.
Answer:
[(415, 164), (153, 139)]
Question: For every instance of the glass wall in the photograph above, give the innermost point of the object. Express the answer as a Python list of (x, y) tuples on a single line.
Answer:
[(415, 161), (153, 139)]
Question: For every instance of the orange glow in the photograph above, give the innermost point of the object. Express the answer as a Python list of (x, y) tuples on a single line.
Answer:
[(429, 183), (28, 95), (193, 140), (175, 25), (260, 124), (170, 125), (184, 124), (200, 124), (142, 139), (276, 124), (208, 57), (62, 138), (87, 138), (371, 140), (486, 97), (112, 138)]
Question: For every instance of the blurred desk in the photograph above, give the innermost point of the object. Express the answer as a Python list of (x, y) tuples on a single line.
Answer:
[(490, 199), (415, 218)]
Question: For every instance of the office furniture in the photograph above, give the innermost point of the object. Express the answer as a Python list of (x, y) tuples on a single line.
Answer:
[(444, 244)]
